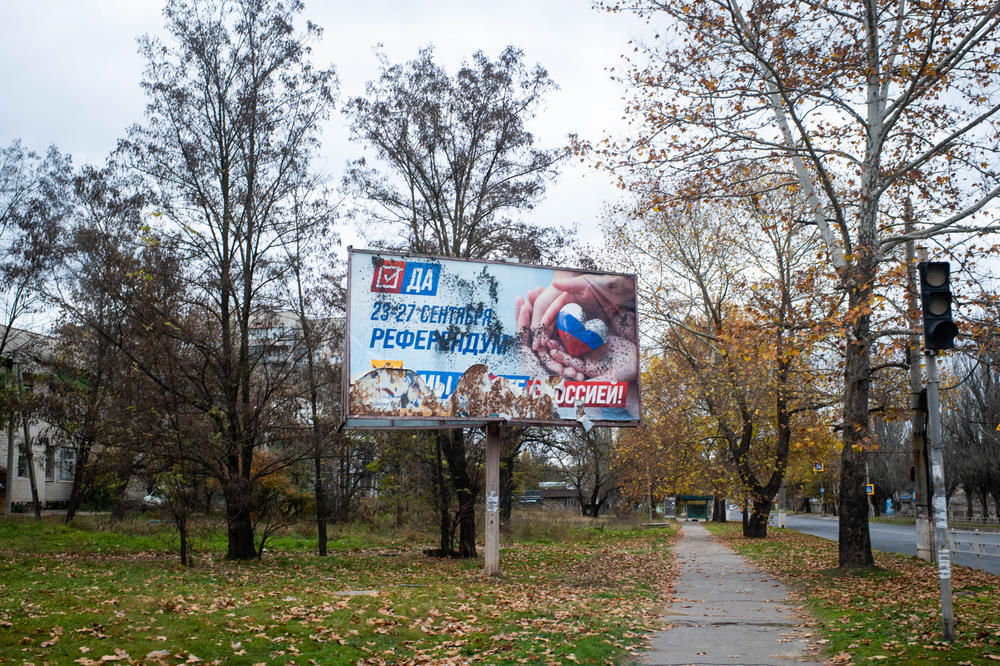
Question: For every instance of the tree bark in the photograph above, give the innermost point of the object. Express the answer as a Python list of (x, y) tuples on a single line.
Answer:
[(26, 450), (969, 500), (755, 524), (454, 451), (854, 545), (719, 510), (239, 522), (444, 499), (321, 538), (79, 481), (506, 491)]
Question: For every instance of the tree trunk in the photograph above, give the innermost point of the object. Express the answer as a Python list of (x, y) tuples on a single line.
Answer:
[(79, 482), (239, 522), (32, 478), (28, 453), (320, 502), (8, 490), (506, 491), (121, 504), (719, 510), (182, 531), (744, 516), (454, 450), (855, 549), (444, 500), (755, 525)]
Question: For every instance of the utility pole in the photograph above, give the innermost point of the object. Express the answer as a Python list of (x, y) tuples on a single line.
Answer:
[(940, 506), (918, 406), (871, 507)]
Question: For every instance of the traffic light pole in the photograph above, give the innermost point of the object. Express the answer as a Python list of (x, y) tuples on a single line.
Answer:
[(940, 506), (918, 404)]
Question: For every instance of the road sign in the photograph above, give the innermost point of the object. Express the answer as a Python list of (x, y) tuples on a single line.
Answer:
[(869, 488), (817, 467)]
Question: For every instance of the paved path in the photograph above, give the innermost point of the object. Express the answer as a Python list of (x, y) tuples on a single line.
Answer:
[(727, 611)]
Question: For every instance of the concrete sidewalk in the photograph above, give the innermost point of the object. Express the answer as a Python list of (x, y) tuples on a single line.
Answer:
[(727, 611)]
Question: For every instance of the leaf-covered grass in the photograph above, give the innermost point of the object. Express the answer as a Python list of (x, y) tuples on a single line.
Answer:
[(83, 595), (891, 613)]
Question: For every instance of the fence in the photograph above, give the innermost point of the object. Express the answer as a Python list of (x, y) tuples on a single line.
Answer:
[(972, 543), (960, 519)]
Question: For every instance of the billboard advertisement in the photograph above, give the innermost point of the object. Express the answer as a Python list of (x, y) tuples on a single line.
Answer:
[(439, 342)]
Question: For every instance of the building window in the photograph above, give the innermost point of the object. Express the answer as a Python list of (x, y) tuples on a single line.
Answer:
[(67, 464), (22, 465), (50, 463)]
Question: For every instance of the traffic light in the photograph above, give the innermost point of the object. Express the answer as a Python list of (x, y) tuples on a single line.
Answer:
[(935, 300)]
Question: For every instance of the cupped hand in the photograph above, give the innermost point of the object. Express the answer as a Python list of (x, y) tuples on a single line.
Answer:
[(617, 360), (538, 346)]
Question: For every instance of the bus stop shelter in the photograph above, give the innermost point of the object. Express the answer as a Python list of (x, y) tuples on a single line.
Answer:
[(694, 507)]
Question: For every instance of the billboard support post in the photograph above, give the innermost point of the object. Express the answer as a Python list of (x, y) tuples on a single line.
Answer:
[(492, 567)]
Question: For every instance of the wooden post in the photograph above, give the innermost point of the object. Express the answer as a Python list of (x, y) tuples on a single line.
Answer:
[(492, 500)]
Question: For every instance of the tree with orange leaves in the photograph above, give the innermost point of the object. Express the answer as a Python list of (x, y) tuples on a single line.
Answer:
[(741, 317), (675, 450), (871, 108)]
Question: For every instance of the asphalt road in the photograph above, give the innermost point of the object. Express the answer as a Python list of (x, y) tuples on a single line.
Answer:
[(892, 539)]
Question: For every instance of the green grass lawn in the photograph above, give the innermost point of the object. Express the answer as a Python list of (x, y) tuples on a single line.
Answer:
[(889, 614), (585, 592)]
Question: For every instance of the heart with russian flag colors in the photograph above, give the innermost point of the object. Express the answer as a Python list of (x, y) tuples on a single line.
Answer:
[(579, 336)]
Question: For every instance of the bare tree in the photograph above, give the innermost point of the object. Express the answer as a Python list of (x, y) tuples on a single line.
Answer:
[(34, 200), (454, 165), (99, 256), (454, 161), (233, 120), (585, 458), (316, 301)]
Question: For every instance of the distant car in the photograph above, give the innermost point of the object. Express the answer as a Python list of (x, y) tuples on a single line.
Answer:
[(531, 497), (153, 500)]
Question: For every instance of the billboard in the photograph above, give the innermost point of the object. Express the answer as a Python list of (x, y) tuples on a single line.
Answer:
[(435, 342)]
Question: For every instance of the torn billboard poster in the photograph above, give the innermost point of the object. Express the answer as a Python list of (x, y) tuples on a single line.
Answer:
[(434, 341)]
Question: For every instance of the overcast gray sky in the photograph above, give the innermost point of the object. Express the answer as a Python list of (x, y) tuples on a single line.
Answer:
[(69, 72)]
